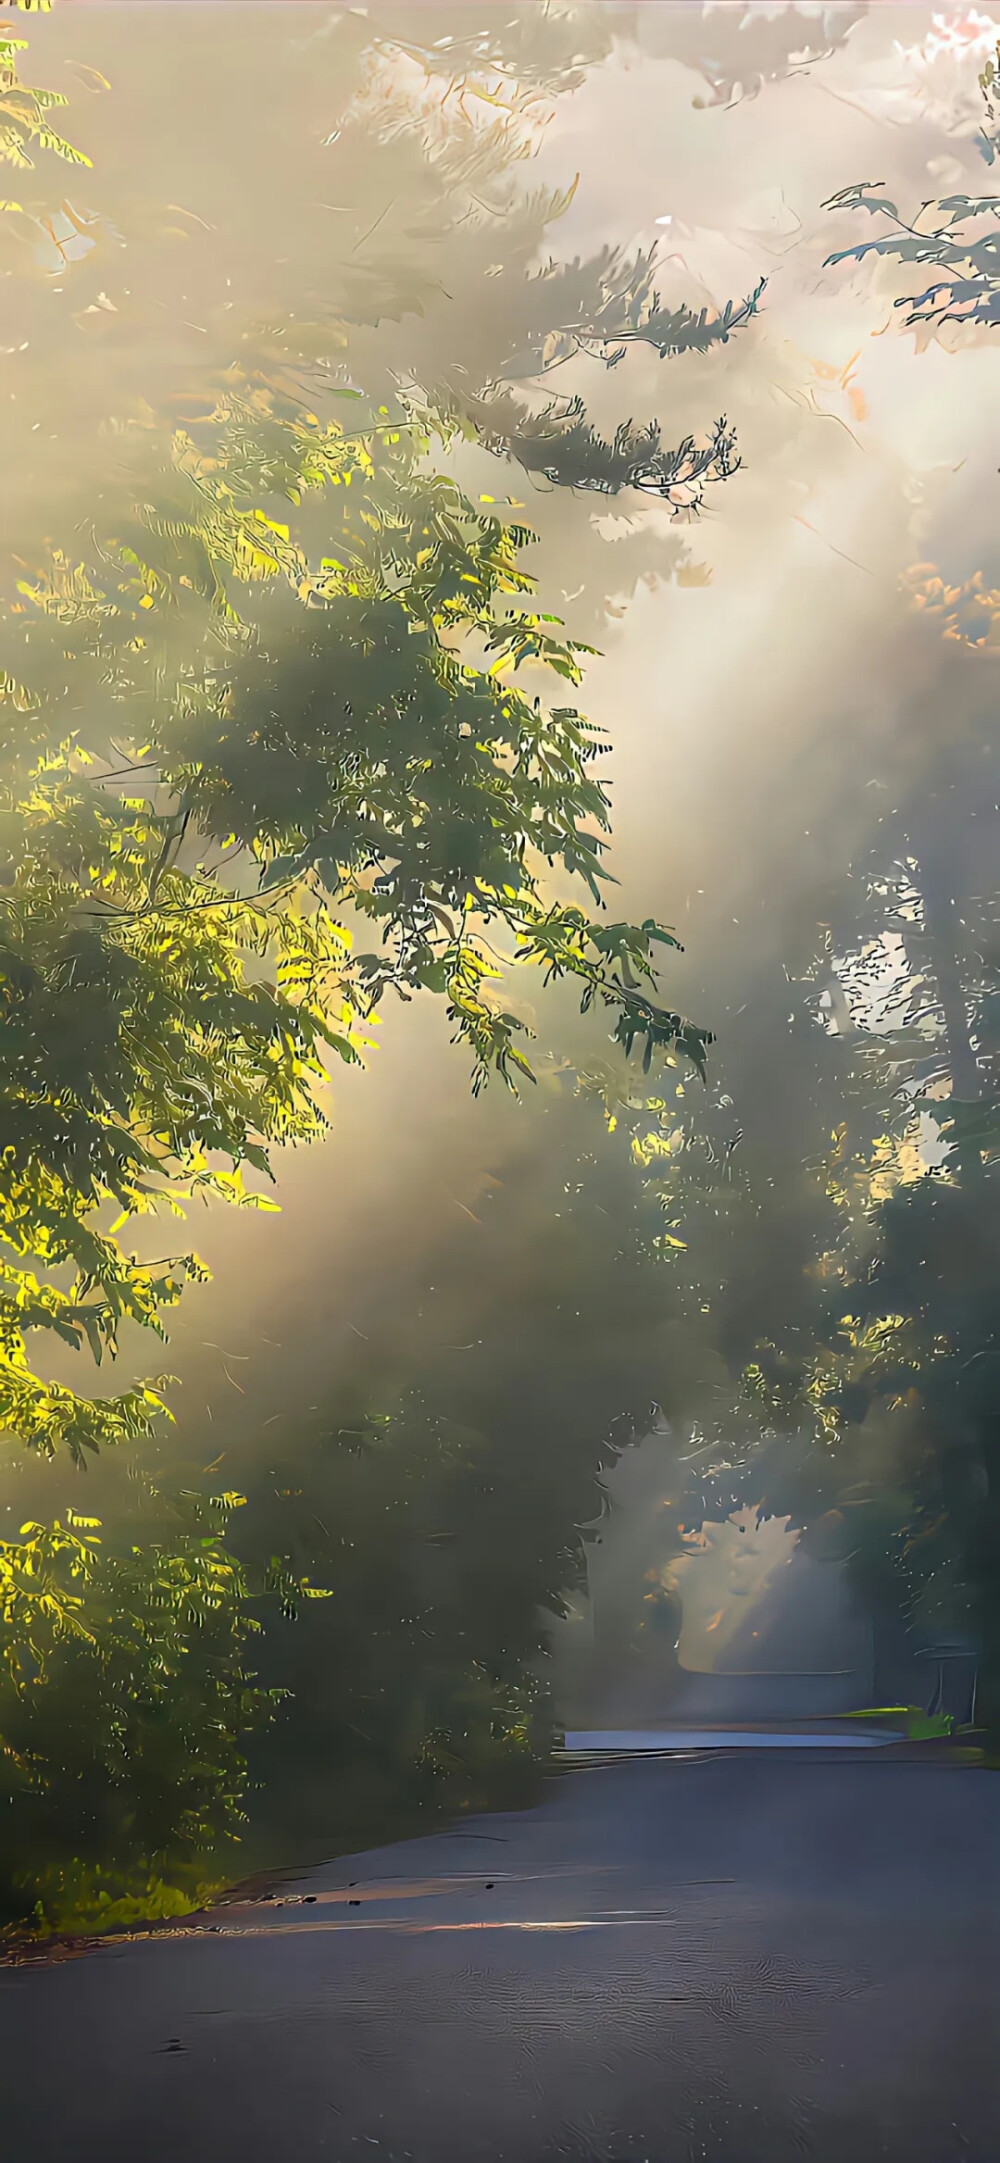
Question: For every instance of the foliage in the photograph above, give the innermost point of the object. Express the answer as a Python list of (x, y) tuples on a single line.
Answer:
[(424, 794), (136, 1055), (143, 1047), (25, 126), (919, 1726), (535, 319), (601, 305), (967, 612), (441, 1492), (989, 83), (967, 287), (740, 52), (541, 50), (598, 307), (272, 693), (124, 1700), (944, 236), (406, 1694), (885, 1365), (545, 51), (559, 444), (901, 1374)]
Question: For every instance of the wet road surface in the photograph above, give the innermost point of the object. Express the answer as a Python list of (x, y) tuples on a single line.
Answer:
[(746, 1959)]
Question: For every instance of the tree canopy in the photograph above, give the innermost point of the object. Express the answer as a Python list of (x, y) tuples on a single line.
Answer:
[(278, 739), (944, 241)]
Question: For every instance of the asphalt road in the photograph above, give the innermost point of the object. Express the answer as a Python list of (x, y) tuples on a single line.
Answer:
[(746, 1959)]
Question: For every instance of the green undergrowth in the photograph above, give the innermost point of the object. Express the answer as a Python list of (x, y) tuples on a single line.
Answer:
[(919, 1726), (79, 1901)]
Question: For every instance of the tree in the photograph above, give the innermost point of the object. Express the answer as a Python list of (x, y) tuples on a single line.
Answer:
[(896, 1370), (125, 1698), (25, 128), (966, 289), (278, 687), (421, 794), (444, 1492), (944, 237), (739, 54), (910, 1313), (201, 633), (417, 254), (869, 1402)]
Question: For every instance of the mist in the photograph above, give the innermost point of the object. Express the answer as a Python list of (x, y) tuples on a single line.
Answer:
[(760, 679)]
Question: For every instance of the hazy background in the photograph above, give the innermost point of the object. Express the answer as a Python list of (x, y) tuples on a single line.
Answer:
[(754, 690)]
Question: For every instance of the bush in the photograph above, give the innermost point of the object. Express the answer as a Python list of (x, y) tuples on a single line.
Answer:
[(124, 1701)]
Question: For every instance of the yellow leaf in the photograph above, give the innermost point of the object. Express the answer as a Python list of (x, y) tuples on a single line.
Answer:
[(272, 526)]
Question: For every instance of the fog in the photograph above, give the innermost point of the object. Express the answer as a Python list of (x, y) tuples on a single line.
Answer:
[(761, 679)]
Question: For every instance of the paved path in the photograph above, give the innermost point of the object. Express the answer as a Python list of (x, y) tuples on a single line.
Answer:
[(748, 1960)]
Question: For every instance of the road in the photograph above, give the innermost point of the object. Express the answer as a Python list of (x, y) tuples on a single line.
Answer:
[(745, 1959)]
